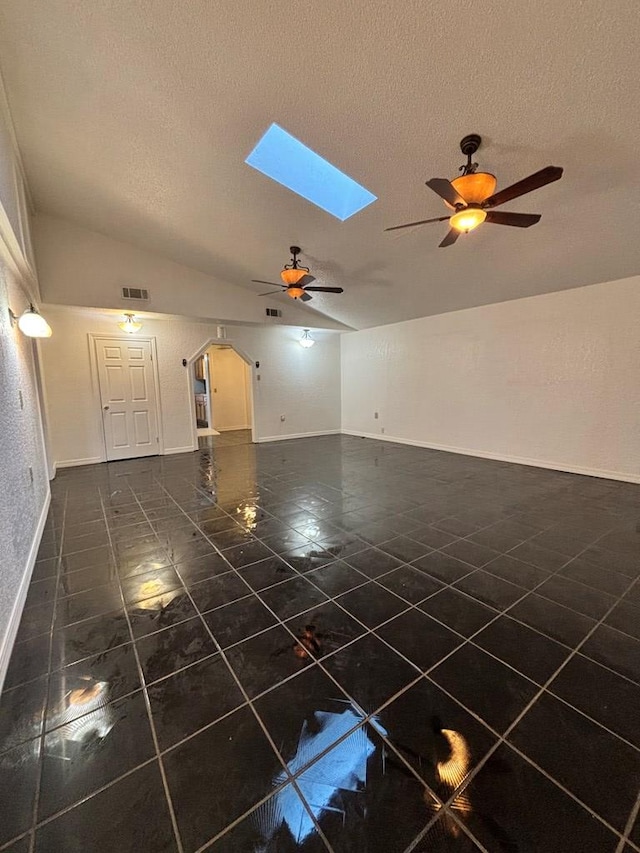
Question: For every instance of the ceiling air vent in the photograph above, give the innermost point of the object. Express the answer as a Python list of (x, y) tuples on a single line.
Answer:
[(139, 293), (273, 312)]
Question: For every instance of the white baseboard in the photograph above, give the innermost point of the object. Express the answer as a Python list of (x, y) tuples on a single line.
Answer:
[(6, 643), (298, 435), (73, 463), (169, 451), (624, 476)]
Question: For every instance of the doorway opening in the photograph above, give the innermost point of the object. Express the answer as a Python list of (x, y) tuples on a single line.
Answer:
[(222, 396)]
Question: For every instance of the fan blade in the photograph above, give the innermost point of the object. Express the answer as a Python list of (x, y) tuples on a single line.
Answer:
[(518, 220), (270, 292), (325, 289), (272, 283), (422, 222), (308, 279), (450, 239), (539, 179), (446, 190), (305, 297)]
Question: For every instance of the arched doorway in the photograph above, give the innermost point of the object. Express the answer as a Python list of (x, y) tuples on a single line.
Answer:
[(221, 392)]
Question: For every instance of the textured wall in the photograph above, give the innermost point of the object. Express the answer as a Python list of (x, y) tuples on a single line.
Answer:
[(22, 500), (301, 384), (79, 267), (552, 379)]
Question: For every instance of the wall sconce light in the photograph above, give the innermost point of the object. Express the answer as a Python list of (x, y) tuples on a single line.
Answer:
[(130, 325), (306, 340), (31, 323)]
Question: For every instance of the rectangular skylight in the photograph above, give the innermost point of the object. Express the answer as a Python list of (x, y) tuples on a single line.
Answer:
[(285, 159)]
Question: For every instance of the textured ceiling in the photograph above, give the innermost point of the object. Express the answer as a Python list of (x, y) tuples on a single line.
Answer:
[(134, 118)]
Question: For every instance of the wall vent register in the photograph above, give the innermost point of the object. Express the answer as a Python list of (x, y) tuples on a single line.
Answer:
[(273, 312), (139, 293)]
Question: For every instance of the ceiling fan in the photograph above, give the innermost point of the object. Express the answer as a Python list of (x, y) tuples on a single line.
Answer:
[(473, 194), (296, 280)]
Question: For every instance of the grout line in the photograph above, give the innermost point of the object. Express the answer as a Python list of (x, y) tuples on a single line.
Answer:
[(42, 735), (366, 581), (152, 727), (628, 829), (503, 738)]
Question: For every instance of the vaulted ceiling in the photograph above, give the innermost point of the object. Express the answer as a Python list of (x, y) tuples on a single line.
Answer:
[(134, 118)]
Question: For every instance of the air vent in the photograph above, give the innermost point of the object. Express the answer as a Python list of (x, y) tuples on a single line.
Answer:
[(273, 312), (139, 293)]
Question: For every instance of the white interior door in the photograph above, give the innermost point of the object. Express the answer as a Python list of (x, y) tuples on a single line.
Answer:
[(128, 398)]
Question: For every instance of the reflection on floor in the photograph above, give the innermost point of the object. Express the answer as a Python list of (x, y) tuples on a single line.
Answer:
[(327, 644), (225, 439), (203, 432)]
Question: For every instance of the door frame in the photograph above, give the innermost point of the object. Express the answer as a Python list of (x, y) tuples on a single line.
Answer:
[(226, 342), (92, 340)]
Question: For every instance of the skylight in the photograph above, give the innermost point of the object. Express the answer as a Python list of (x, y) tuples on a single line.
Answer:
[(285, 159)]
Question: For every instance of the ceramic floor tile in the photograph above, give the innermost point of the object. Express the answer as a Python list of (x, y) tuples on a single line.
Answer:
[(336, 578), (373, 562), (83, 755), (267, 659), (169, 650), (458, 611), (606, 697), (614, 649), (21, 713), (491, 690), (356, 519), (511, 806), (410, 584), (306, 716), (192, 698), (239, 620), (370, 672), (582, 756), (19, 774), (531, 653), (558, 622), (233, 759), (419, 638), (323, 630), (490, 590), (372, 604), (129, 816), (85, 686), (292, 597)]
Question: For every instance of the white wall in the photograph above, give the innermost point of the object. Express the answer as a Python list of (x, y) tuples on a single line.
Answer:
[(301, 384), (23, 502), (79, 267), (551, 380), (230, 400)]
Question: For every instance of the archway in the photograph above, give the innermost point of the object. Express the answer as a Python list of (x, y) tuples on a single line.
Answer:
[(221, 344)]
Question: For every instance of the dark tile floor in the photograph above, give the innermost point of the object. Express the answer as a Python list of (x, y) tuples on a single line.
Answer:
[(327, 644)]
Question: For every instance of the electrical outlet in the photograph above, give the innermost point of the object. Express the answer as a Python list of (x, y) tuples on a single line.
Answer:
[(282, 418), (375, 415), (382, 430)]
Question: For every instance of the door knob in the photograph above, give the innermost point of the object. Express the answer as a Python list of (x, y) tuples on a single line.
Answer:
[(106, 408)]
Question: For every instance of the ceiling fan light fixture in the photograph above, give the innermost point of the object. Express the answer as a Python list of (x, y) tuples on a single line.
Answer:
[(293, 276), (306, 340), (468, 219), (294, 292), (475, 187)]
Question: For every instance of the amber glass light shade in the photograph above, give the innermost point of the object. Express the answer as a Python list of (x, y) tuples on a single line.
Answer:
[(468, 219), (292, 276), (294, 292), (476, 187)]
